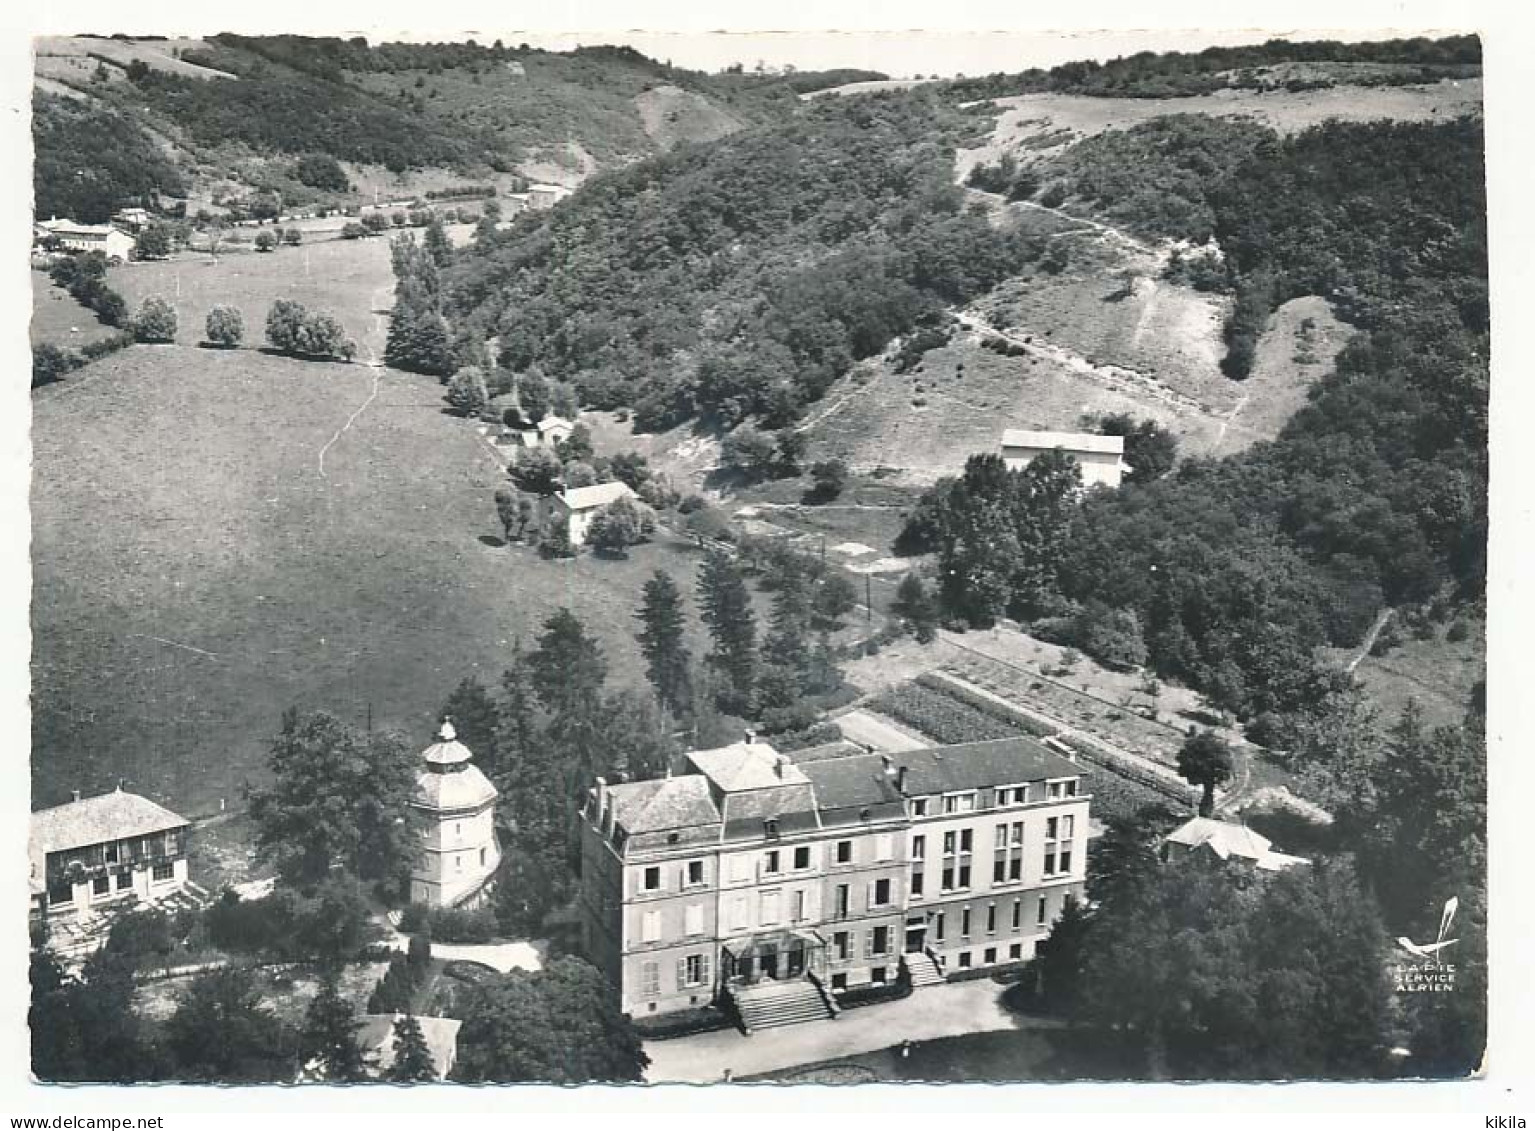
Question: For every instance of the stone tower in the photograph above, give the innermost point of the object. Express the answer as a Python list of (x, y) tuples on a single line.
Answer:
[(455, 806)]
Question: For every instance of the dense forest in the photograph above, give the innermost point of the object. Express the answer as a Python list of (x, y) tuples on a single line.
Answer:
[(1374, 494), (1173, 74), (91, 161), (745, 276)]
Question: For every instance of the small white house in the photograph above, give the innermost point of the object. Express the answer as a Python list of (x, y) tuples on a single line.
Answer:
[(1231, 843), (548, 432), (1101, 458), (578, 506), (111, 242), (541, 198)]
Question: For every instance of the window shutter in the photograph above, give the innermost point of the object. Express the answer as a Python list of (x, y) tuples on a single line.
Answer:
[(868, 944), (682, 972), (703, 968)]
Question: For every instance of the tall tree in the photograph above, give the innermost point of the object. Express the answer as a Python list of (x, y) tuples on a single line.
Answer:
[(412, 1057), (223, 1032), (662, 640), (560, 1025), (725, 606), (1204, 760), (476, 720), (329, 1037), (567, 668), (338, 798)]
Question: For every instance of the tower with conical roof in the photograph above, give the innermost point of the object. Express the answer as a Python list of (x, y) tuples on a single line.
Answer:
[(455, 807)]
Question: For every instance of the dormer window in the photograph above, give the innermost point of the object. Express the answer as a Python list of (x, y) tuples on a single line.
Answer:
[(770, 828)]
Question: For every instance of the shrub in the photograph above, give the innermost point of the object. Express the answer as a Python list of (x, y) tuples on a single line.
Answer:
[(353, 231), (456, 925), (291, 329), (225, 326), (156, 321), (293, 237), (266, 241), (829, 478), (467, 392)]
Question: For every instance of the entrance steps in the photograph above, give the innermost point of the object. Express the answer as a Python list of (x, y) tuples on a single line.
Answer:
[(774, 1004), (923, 970)]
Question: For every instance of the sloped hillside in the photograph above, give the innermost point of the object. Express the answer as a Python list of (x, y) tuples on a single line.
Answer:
[(237, 113)]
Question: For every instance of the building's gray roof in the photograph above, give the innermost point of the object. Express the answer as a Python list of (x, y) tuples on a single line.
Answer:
[(746, 765), (792, 806), (1070, 441), (597, 495), (978, 765), (99, 820), (855, 788), (456, 787), (851, 782), (447, 750), (662, 804)]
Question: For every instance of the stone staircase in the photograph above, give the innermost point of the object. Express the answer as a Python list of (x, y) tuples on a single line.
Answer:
[(774, 1004), (923, 970), (74, 938)]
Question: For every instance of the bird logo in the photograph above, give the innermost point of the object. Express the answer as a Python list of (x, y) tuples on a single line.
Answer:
[(1431, 950)]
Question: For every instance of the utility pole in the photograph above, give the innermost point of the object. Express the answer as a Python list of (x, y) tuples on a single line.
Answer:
[(868, 598)]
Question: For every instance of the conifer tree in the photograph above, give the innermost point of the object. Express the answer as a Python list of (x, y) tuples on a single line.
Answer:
[(412, 1058), (661, 640), (725, 606), (330, 1033)]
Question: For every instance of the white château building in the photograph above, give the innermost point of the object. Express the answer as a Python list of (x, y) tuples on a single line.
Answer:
[(455, 805)]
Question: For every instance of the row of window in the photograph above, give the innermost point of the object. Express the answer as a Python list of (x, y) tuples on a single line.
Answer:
[(774, 908), (966, 801), (994, 919), (877, 942), (63, 890), (773, 862)]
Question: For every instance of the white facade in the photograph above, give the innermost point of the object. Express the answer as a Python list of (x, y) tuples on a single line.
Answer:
[(455, 805), (1101, 458), (104, 238), (543, 197)]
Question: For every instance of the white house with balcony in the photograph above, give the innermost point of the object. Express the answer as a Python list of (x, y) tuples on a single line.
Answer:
[(115, 849)]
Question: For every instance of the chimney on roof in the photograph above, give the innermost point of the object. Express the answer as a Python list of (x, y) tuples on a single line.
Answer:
[(889, 763), (76, 793), (779, 764), (751, 736), (900, 780)]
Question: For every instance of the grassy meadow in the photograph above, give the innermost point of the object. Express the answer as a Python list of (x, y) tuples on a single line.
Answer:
[(196, 571)]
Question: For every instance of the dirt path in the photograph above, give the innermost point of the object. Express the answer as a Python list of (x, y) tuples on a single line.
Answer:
[(1115, 377), (1369, 640), (837, 405), (1118, 235), (378, 372), (1220, 437)]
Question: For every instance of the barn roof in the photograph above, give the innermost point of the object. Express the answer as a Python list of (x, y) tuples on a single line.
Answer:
[(597, 495), (1070, 441)]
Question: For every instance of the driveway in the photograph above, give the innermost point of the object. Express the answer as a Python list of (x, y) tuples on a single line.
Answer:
[(868, 729), (948, 1010), (502, 956)]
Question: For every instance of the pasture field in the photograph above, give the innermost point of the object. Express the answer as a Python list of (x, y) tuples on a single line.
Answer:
[(197, 570), (59, 320), (351, 279), (1046, 122)]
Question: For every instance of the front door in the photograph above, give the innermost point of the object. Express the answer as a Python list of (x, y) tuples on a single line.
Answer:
[(916, 936), (768, 962), (796, 959)]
